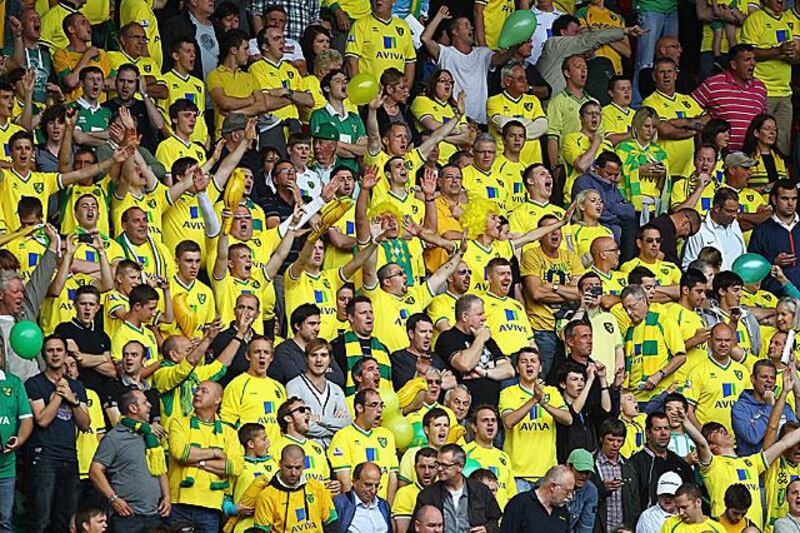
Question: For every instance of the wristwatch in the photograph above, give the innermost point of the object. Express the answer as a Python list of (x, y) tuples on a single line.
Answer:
[(556, 286), (113, 498), (202, 465)]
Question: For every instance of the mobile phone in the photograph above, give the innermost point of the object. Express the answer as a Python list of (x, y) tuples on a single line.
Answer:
[(85, 238), (596, 291)]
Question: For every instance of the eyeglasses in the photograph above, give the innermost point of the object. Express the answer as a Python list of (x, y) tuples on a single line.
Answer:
[(612, 251), (651, 240), (396, 274), (448, 465), (463, 272), (435, 381), (287, 171), (302, 409)]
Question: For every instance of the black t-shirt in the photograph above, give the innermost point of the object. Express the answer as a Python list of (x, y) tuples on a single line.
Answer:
[(239, 365), (669, 241), (57, 440), (115, 388), (404, 367), (483, 390), (90, 341), (275, 206), (143, 124)]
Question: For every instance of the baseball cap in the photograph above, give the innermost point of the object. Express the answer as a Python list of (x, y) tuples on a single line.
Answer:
[(668, 483), (738, 159), (234, 122), (326, 132), (581, 460)]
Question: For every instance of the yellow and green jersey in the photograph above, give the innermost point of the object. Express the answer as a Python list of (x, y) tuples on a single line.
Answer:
[(724, 471), (380, 44), (13, 186), (498, 462), (649, 347), (527, 106), (764, 29), (281, 75), (478, 256), (634, 435), (319, 289), (778, 476), (689, 323), (393, 312), (617, 120), (281, 510), (192, 89), (442, 112), (666, 273), (714, 388), (680, 152), (128, 332), (316, 463), (506, 319), (674, 524), (573, 146), (154, 204), (253, 468)]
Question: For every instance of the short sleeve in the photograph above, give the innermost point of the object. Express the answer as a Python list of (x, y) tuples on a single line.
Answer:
[(355, 41), (530, 264), (554, 119), (23, 404), (265, 511), (106, 451), (338, 452), (410, 51), (672, 337), (34, 390), (571, 148)]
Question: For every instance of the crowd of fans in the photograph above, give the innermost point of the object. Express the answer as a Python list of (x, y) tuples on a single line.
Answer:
[(499, 296)]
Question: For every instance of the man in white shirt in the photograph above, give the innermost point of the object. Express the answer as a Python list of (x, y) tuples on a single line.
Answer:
[(720, 229), (653, 517), (468, 63), (361, 509), (546, 14)]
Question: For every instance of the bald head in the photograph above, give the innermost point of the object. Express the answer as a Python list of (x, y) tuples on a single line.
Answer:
[(292, 451), (428, 519), (669, 47)]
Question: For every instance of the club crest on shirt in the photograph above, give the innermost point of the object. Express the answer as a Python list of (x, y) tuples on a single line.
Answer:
[(7, 391), (382, 441)]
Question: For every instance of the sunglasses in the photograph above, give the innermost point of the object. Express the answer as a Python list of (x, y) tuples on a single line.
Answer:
[(302, 409)]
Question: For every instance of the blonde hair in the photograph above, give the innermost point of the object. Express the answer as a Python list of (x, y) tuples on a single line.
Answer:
[(385, 208), (642, 114), (794, 306), (325, 59), (473, 219), (579, 199)]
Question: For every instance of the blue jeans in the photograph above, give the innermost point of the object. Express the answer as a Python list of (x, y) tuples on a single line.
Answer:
[(547, 341), (133, 523), (7, 504), (660, 25), (523, 485), (53, 493), (205, 520)]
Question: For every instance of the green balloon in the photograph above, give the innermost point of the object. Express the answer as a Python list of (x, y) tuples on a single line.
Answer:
[(518, 28), (420, 438), (26, 339), (362, 88), (401, 429), (470, 466), (752, 268)]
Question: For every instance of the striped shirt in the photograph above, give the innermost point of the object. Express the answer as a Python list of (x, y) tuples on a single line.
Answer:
[(725, 98)]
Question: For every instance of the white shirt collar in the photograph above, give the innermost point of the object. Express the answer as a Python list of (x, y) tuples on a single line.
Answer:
[(2, 375), (791, 225), (335, 113)]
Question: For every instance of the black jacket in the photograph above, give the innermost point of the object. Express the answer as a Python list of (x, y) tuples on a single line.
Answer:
[(182, 27), (483, 507), (649, 468), (524, 513)]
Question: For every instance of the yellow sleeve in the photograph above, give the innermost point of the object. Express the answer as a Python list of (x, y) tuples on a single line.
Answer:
[(506, 404), (421, 107), (339, 452), (530, 265), (410, 51), (571, 148), (406, 472), (404, 502), (179, 445), (672, 337), (168, 377), (355, 41), (679, 192), (329, 513), (212, 371), (555, 120), (234, 457), (265, 511), (229, 410), (760, 461), (493, 106)]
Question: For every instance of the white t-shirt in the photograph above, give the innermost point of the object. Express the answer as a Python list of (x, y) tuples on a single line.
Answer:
[(651, 520), (469, 74), (456, 495), (544, 24), (209, 47)]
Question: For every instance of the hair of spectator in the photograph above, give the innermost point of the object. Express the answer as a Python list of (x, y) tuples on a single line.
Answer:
[(302, 313)]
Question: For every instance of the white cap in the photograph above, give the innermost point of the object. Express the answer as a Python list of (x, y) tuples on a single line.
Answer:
[(668, 483)]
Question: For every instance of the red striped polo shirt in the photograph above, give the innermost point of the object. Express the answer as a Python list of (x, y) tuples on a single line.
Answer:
[(724, 98)]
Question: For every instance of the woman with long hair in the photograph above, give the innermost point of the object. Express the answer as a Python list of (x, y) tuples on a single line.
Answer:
[(436, 106), (717, 132), (588, 210), (645, 174), (315, 39), (760, 144)]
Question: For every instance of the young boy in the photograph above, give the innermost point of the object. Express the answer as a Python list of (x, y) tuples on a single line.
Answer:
[(675, 405), (634, 424), (258, 465)]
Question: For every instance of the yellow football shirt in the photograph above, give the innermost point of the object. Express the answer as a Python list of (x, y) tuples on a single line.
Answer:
[(405, 499), (573, 146), (585, 236), (763, 29), (334, 257), (379, 44), (56, 310), (487, 185), (151, 254), (561, 270), (498, 462), (510, 174), (714, 388), (52, 32), (613, 282), (674, 524), (173, 148), (634, 435), (154, 204), (414, 162), (442, 112), (392, 312), (526, 106), (298, 510), (316, 463), (495, 13), (113, 301), (352, 445), (724, 471), (86, 442), (778, 476), (13, 186), (666, 273), (531, 444), (251, 399), (29, 251), (616, 120), (318, 289), (689, 323), (239, 84), (408, 205), (101, 192), (191, 89), (127, 332), (684, 188), (478, 256), (596, 17), (228, 289), (184, 221), (6, 131), (275, 76), (509, 324), (680, 153), (200, 299), (253, 468), (141, 11)]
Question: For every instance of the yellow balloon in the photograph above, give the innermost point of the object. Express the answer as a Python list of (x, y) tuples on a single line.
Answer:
[(391, 402), (362, 88), (401, 429)]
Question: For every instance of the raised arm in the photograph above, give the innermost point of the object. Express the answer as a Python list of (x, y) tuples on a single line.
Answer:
[(538, 233), (373, 131), (64, 268), (438, 280), (228, 165), (285, 246), (120, 154), (439, 134), (427, 39), (704, 454)]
